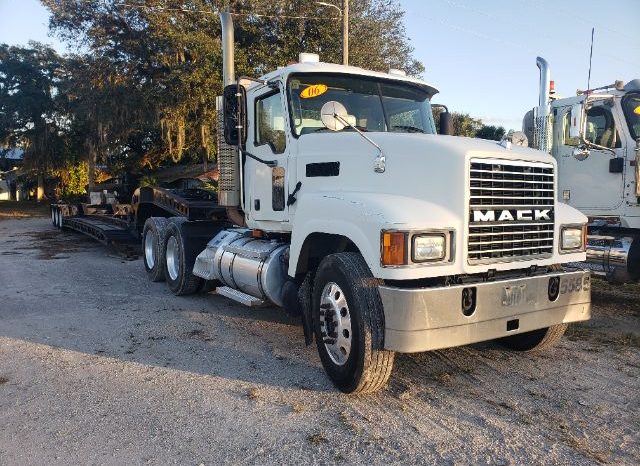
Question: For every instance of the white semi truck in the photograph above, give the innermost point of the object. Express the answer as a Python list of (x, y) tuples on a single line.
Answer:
[(345, 207), (595, 138)]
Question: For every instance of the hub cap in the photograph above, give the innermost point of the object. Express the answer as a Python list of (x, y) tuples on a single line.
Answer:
[(173, 258), (148, 249), (335, 323)]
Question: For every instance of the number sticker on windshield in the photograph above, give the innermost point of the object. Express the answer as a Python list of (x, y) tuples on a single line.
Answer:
[(313, 91)]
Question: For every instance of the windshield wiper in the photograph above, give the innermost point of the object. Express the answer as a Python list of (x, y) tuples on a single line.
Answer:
[(411, 129)]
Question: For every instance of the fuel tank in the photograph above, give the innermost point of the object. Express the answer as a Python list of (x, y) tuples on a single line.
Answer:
[(257, 267)]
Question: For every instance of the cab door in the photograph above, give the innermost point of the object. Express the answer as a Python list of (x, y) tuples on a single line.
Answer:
[(589, 183), (267, 141)]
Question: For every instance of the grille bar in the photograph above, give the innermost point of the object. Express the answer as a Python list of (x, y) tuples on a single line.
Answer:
[(499, 185)]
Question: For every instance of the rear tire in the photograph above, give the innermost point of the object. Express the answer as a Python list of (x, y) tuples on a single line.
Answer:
[(54, 216), (348, 322), (536, 340), (178, 262), (153, 240)]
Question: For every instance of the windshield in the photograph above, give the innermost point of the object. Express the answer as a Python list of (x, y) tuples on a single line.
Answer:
[(631, 106), (372, 105)]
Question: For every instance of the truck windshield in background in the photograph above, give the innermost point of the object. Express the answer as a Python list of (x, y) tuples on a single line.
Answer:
[(372, 105), (631, 105)]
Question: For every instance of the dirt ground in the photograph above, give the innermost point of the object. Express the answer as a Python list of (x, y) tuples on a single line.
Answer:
[(100, 366)]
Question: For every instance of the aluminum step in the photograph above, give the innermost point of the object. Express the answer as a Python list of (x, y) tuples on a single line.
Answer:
[(239, 296)]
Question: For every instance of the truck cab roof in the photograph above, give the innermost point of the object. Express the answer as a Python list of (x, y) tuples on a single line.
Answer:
[(283, 74)]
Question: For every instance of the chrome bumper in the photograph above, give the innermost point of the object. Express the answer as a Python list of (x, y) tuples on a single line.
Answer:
[(426, 319)]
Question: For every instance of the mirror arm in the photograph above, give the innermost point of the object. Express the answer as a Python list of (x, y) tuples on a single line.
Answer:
[(268, 163), (380, 163), (591, 145)]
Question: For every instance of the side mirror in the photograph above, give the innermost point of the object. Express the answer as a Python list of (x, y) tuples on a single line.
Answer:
[(234, 111), (577, 121), (446, 123)]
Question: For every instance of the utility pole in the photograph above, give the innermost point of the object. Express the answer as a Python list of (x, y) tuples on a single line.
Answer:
[(345, 32), (344, 15)]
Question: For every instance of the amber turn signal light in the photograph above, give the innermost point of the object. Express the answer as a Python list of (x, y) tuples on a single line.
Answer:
[(394, 248)]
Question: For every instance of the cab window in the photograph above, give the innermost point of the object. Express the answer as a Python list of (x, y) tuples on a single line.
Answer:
[(600, 128), (270, 123)]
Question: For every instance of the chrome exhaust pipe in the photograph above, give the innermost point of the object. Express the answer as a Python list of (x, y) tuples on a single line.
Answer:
[(228, 68), (229, 183), (543, 138), (545, 81)]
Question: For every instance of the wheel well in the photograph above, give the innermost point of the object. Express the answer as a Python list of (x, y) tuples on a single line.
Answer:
[(146, 210), (318, 245)]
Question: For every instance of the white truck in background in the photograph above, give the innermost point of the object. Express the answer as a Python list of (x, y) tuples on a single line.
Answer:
[(345, 207), (595, 138)]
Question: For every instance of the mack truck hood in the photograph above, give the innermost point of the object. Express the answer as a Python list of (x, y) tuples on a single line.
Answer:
[(419, 167), (425, 186)]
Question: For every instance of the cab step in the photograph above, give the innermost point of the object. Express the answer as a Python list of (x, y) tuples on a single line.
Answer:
[(239, 296)]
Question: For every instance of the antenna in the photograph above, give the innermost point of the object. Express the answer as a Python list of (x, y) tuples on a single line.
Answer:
[(590, 57)]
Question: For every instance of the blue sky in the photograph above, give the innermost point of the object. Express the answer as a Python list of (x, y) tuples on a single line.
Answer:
[(480, 54)]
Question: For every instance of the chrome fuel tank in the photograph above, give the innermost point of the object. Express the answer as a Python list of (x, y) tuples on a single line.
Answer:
[(256, 267)]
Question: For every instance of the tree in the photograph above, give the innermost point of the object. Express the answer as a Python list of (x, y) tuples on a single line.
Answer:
[(463, 124), (494, 133), (162, 60), (30, 111)]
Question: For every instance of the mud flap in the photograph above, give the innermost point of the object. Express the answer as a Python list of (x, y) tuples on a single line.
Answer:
[(305, 293)]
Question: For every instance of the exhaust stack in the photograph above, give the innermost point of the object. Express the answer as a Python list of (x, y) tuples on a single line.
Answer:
[(228, 160), (542, 127), (545, 82), (228, 69)]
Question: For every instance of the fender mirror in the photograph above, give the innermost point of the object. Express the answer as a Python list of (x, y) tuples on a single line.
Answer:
[(334, 115), (581, 153), (234, 115), (446, 123)]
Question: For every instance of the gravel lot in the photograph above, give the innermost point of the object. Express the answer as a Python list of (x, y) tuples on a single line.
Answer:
[(99, 365)]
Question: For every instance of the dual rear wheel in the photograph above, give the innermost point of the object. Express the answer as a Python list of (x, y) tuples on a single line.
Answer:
[(56, 216), (167, 257)]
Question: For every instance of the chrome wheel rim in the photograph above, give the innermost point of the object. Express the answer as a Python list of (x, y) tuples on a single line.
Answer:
[(148, 249), (173, 258), (335, 323)]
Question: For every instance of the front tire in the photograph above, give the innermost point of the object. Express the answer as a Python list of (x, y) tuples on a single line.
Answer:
[(348, 323), (536, 340), (178, 262), (153, 238)]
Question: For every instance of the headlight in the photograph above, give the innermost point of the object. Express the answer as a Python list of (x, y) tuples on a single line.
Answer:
[(428, 247), (572, 238)]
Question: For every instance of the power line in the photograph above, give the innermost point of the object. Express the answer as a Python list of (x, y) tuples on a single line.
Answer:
[(515, 43), (217, 12)]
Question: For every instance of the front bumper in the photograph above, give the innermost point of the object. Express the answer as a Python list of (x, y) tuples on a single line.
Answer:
[(423, 319)]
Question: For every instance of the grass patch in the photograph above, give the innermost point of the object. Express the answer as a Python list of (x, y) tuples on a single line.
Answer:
[(23, 209)]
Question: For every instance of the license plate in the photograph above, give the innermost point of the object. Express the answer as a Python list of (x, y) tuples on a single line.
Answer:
[(513, 295)]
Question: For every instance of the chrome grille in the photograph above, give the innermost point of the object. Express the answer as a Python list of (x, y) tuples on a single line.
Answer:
[(511, 210)]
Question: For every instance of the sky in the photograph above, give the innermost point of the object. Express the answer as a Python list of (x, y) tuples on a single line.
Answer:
[(480, 54)]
